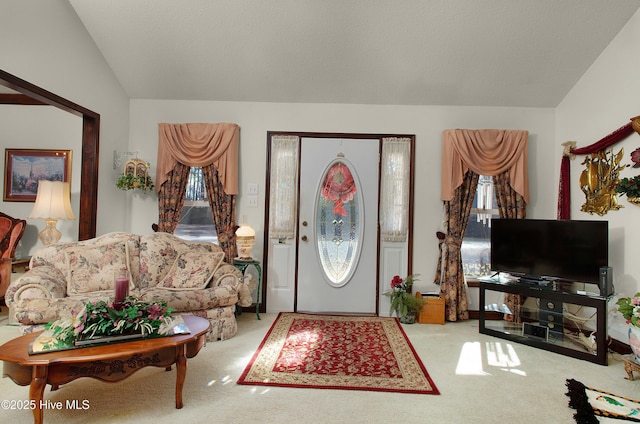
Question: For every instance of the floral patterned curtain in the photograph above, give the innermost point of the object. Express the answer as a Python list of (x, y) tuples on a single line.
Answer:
[(214, 147), (510, 205), (223, 207), (171, 198), (450, 275), (465, 155)]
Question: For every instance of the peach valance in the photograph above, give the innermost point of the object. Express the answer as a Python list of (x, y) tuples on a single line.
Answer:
[(199, 145), (485, 152)]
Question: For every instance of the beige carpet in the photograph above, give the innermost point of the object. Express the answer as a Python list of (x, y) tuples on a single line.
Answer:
[(481, 380)]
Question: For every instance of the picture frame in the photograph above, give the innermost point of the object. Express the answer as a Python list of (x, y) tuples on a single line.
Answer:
[(25, 167)]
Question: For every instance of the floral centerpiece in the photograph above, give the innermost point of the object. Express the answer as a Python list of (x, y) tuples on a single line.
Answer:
[(629, 307), (403, 303), (102, 320)]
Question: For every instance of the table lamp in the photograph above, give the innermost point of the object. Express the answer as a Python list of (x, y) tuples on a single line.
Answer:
[(245, 239), (53, 202)]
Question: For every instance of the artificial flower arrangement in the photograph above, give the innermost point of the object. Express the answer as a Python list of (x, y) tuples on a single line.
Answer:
[(106, 319), (130, 182), (630, 186), (403, 303), (629, 307)]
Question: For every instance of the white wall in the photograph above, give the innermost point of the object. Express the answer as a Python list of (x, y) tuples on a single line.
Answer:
[(603, 100), (427, 122), (44, 43)]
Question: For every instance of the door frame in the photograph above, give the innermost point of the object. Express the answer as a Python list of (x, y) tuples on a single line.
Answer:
[(320, 135)]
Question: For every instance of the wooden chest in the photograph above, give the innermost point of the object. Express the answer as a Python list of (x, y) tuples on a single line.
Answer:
[(433, 311)]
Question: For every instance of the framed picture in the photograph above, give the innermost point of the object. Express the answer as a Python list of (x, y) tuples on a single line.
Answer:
[(25, 167)]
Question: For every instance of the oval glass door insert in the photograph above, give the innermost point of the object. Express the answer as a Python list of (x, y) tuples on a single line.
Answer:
[(338, 225)]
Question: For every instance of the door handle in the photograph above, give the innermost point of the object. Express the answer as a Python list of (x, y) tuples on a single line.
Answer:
[(304, 238)]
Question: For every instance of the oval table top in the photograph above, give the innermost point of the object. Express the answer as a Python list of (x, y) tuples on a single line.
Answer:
[(17, 350)]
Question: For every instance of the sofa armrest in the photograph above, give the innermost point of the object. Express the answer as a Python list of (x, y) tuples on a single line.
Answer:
[(230, 275), (40, 282)]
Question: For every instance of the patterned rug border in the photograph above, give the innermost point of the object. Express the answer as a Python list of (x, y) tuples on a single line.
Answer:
[(259, 370)]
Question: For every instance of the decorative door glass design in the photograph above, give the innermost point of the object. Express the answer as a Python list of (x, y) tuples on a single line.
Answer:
[(338, 223)]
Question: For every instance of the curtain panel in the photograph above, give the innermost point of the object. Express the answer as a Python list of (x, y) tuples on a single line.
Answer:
[(171, 198), (283, 187), (485, 152), (465, 154), (199, 145), (394, 196), (224, 212)]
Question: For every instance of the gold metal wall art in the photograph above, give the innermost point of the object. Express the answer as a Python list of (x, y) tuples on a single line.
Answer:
[(598, 181), (635, 124)]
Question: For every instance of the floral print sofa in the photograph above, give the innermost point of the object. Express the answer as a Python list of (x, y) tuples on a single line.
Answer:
[(191, 277)]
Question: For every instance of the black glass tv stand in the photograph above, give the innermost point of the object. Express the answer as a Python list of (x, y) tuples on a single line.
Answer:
[(554, 317)]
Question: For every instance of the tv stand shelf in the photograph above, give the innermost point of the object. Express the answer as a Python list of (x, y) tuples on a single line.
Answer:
[(548, 319)]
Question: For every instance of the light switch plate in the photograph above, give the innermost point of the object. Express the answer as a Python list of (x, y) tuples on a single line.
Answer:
[(252, 188), (252, 201)]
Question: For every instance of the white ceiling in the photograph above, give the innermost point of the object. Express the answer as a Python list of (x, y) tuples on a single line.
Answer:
[(409, 52)]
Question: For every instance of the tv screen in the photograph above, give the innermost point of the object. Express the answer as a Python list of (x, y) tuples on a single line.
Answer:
[(561, 249)]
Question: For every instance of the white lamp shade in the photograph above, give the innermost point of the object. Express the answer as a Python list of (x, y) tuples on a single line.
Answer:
[(245, 232), (53, 201)]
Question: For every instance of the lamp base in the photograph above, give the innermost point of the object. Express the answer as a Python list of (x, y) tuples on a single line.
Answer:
[(244, 251), (50, 234)]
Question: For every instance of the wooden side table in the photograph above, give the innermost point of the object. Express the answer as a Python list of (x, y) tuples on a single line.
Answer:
[(242, 265)]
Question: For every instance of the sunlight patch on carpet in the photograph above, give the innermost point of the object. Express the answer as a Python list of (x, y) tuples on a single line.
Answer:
[(338, 352)]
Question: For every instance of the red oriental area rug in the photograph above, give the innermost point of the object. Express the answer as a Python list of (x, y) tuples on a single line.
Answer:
[(338, 352)]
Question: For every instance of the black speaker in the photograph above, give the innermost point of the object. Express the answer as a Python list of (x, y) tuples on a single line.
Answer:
[(605, 281), (552, 317)]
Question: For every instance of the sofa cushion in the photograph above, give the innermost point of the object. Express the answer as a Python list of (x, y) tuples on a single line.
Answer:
[(191, 300), (192, 269), (158, 252), (92, 268)]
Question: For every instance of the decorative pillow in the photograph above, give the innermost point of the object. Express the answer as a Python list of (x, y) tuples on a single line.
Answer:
[(92, 268), (191, 270)]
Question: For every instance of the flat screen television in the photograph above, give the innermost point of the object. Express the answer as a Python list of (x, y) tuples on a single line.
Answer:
[(556, 249)]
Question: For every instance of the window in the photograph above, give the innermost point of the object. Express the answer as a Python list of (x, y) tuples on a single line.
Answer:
[(196, 219), (476, 243)]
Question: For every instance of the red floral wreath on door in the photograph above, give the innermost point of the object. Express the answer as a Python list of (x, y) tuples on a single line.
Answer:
[(339, 187)]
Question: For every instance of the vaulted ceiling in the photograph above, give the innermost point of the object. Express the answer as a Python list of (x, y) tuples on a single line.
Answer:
[(404, 52)]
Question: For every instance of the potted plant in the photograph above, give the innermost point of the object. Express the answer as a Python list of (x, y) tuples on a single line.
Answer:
[(403, 303), (130, 182), (629, 307)]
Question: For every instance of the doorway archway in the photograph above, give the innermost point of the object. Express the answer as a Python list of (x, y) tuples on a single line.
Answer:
[(32, 94)]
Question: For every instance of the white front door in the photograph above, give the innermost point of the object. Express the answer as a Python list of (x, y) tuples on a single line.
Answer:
[(338, 231)]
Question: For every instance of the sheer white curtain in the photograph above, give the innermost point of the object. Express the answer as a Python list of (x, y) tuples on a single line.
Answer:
[(283, 186), (394, 199)]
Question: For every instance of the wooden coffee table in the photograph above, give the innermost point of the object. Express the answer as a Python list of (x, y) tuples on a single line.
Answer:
[(111, 362)]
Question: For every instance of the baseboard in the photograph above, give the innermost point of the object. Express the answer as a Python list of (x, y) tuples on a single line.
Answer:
[(618, 347)]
